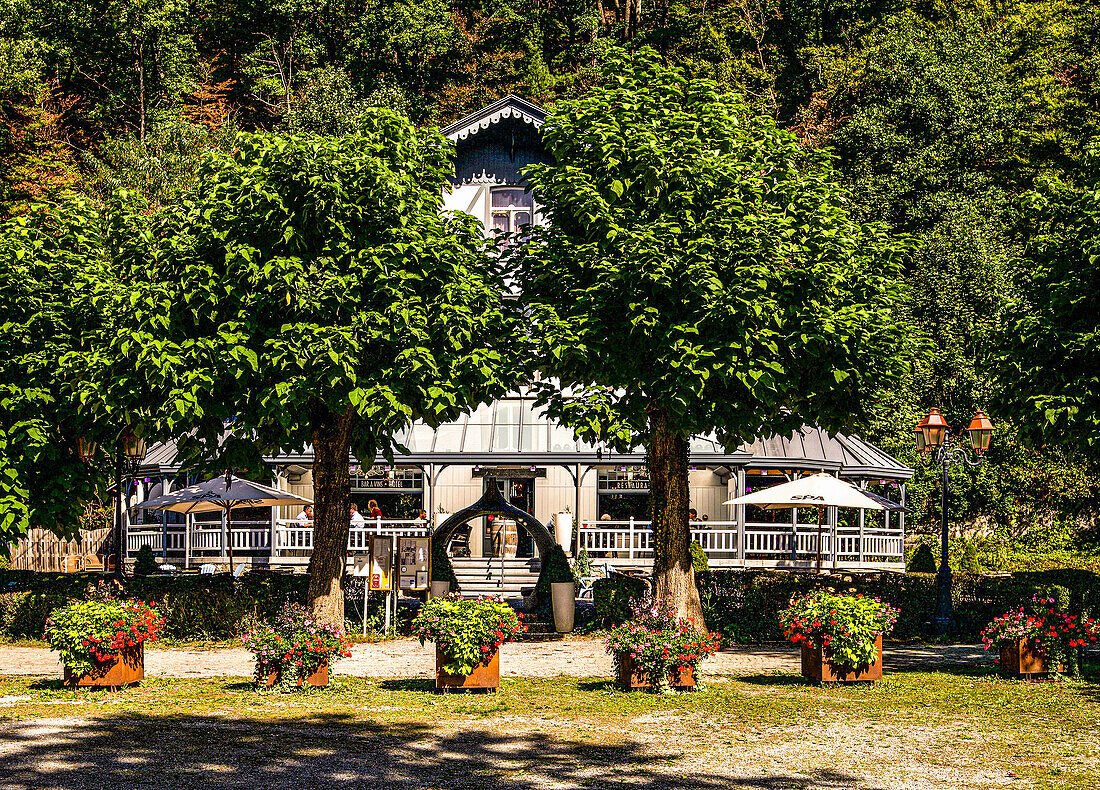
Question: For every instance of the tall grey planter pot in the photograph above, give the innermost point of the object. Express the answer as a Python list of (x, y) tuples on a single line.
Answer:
[(564, 596)]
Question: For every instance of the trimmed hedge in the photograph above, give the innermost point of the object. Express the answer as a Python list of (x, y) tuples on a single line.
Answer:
[(744, 605), (194, 607)]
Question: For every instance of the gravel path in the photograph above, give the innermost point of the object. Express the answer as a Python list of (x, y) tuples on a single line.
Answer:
[(572, 657)]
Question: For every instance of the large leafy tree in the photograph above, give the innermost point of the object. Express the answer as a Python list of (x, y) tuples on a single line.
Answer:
[(60, 296), (312, 292), (1050, 357), (700, 272)]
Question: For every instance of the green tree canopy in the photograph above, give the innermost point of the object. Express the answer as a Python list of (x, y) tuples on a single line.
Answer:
[(312, 293), (59, 291), (1050, 360), (700, 272)]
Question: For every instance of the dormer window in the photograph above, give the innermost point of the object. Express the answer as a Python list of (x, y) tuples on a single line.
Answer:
[(511, 208)]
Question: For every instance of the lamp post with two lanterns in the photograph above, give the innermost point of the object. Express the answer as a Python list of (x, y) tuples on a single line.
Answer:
[(936, 445), (129, 453)]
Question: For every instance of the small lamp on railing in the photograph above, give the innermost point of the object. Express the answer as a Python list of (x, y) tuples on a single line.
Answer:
[(981, 432)]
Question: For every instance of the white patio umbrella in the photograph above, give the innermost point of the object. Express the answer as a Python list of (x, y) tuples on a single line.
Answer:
[(821, 491)]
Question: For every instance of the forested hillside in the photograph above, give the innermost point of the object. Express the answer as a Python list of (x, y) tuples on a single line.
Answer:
[(966, 125)]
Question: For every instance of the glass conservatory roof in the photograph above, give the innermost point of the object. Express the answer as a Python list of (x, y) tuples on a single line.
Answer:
[(513, 430)]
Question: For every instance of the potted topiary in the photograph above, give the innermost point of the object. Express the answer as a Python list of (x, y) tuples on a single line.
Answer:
[(296, 650), (102, 642), (841, 635), (467, 634), (655, 650), (1038, 639)]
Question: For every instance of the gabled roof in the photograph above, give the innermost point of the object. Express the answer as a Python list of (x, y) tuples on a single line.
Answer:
[(814, 448), (511, 106)]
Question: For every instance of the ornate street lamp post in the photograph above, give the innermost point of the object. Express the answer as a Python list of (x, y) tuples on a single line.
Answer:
[(129, 453), (937, 446)]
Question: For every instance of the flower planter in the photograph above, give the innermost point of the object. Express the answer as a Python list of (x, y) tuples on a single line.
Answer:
[(1022, 660), (485, 677), (318, 678), (439, 589), (817, 667), (563, 530), (633, 677), (122, 670)]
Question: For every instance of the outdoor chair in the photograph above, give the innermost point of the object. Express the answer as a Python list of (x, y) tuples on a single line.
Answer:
[(72, 563)]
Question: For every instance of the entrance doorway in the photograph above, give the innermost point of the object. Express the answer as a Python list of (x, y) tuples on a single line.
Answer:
[(503, 534)]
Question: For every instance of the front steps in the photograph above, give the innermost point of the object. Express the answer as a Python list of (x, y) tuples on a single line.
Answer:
[(482, 575)]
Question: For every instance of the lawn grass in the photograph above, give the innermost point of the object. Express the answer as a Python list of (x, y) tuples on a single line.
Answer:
[(973, 726)]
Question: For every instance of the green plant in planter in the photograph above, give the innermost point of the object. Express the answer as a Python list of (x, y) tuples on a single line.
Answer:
[(1055, 635), (466, 631), (145, 564), (556, 569), (658, 642), (843, 626), (87, 633), (296, 645)]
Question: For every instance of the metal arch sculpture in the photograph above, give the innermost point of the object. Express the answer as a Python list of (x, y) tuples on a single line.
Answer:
[(492, 503)]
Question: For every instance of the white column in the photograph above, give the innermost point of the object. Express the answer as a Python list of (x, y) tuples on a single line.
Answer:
[(862, 517), (739, 515), (272, 536)]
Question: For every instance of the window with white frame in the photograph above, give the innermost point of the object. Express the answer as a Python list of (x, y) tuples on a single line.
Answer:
[(510, 208)]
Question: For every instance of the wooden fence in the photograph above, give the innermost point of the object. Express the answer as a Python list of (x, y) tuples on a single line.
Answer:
[(41, 550)]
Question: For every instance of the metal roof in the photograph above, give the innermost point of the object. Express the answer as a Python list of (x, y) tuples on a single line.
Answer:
[(513, 431)]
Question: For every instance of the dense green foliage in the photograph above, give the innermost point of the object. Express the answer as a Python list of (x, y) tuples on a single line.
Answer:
[(964, 124)]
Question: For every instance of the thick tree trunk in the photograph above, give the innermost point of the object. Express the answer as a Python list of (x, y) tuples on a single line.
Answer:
[(673, 574), (331, 523)]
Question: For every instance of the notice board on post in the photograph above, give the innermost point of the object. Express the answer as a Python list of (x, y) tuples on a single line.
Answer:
[(414, 563), (380, 576)]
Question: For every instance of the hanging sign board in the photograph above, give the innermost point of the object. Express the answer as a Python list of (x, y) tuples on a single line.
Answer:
[(381, 563), (413, 562)]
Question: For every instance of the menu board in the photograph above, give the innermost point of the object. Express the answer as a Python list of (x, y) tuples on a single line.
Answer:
[(413, 562), (381, 563)]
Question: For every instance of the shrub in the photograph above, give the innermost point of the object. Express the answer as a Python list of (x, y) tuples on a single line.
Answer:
[(87, 633), (924, 559), (145, 563), (658, 642), (969, 562), (614, 598), (698, 558), (467, 632), (583, 567), (556, 569), (296, 645), (442, 570), (845, 627)]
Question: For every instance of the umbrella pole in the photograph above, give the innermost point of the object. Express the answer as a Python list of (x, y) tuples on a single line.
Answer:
[(820, 510)]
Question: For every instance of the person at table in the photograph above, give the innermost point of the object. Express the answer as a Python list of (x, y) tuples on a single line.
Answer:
[(373, 510), (306, 516), (357, 519)]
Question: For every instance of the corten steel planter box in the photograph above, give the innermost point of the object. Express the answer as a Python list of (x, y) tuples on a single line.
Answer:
[(318, 678), (632, 677), (485, 677), (1023, 659), (126, 668), (819, 669)]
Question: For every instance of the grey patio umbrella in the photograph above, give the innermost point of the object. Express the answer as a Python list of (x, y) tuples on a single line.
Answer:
[(223, 493)]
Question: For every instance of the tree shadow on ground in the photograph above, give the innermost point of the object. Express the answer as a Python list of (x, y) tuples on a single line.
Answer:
[(334, 750), (774, 680)]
